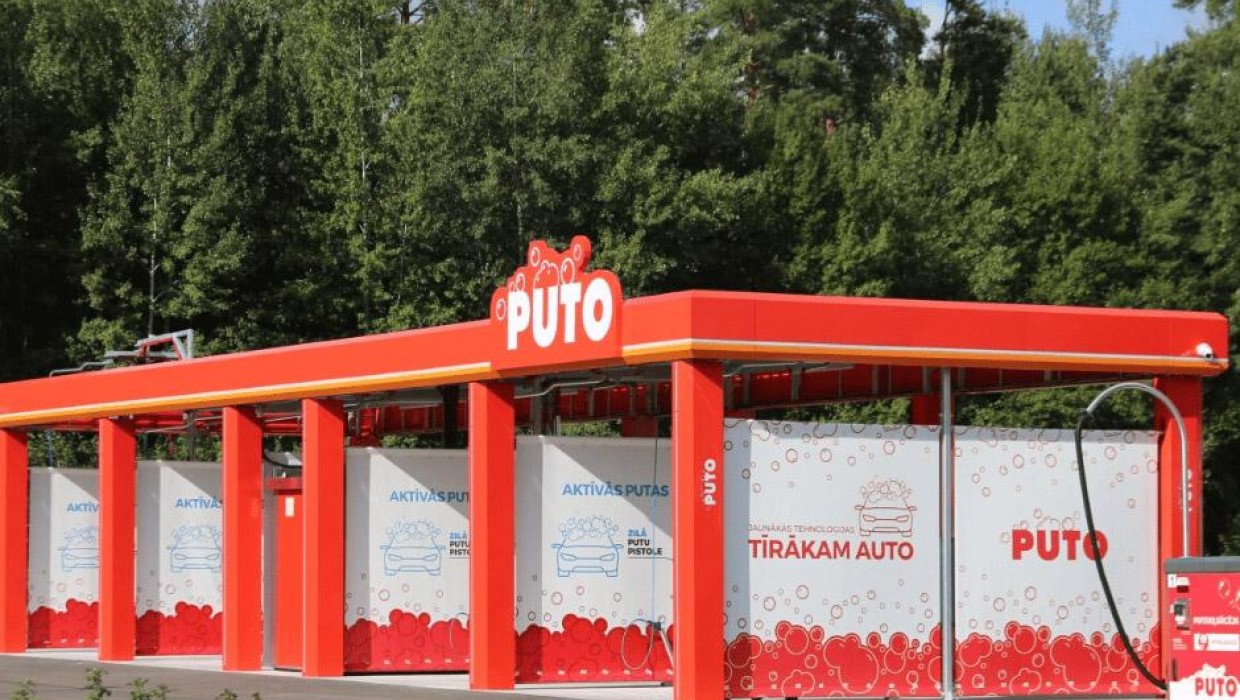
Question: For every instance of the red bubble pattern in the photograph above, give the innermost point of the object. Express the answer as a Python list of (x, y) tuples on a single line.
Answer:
[(191, 629), (408, 643), (590, 650), (805, 661), (1030, 661), (75, 627), (1025, 661)]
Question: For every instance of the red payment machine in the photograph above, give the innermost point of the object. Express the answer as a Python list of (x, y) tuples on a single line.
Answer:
[(1203, 615)]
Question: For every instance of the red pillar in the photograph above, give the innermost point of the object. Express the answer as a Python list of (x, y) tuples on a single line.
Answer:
[(118, 469), (492, 525), (243, 545), (15, 495), (323, 502), (697, 528), (1185, 393), (926, 409)]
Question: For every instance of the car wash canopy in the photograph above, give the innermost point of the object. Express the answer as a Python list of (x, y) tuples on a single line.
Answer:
[(562, 343)]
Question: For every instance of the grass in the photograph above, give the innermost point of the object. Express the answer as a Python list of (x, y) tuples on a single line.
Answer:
[(139, 689)]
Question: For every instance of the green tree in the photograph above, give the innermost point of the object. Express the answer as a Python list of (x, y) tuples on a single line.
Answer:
[(246, 269), (976, 47), (1181, 138), (493, 137), (1217, 9), (138, 204), (686, 201), (58, 82), (892, 193)]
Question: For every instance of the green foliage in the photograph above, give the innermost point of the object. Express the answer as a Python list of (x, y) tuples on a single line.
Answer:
[(1217, 9), (24, 691), (975, 48), (139, 689), (95, 689), (591, 429), (273, 172)]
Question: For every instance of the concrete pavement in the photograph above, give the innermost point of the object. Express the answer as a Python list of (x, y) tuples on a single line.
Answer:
[(61, 675)]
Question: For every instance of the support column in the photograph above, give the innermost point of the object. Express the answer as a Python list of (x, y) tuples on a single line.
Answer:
[(492, 525), (323, 426), (1185, 393), (947, 534), (451, 399), (925, 409), (242, 490), (697, 529), (118, 473), (14, 516)]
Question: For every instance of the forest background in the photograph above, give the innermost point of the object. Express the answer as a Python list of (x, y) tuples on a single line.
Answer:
[(275, 171)]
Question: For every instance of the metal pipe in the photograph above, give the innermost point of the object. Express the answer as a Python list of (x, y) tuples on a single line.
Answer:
[(101, 364), (947, 573), (560, 385), (1179, 424)]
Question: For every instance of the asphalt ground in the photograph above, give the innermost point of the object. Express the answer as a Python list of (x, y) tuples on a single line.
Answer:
[(63, 677)]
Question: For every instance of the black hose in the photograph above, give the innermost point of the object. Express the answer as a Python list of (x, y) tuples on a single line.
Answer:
[(1102, 573)]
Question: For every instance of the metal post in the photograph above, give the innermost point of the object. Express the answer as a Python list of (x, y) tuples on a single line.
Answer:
[(947, 504)]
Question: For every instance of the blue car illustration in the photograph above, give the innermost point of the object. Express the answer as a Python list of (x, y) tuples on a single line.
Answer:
[(588, 546), (196, 547), (80, 549), (412, 548)]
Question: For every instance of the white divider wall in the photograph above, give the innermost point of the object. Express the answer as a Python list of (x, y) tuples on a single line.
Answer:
[(63, 583), (1031, 617), (832, 559), (407, 560), (180, 558), (594, 555)]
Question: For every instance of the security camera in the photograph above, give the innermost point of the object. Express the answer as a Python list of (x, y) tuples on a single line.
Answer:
[(1205, 352)]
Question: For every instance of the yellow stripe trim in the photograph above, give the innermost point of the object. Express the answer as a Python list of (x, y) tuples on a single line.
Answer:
[(766, 349), (276, 392), (633, 354)]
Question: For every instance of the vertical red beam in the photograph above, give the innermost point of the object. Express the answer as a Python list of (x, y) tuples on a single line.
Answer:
[(1185, 393), (926, 409), (243, 545), (14, 514), (118, 470), (323, 501), (697, 528), (492, 525)]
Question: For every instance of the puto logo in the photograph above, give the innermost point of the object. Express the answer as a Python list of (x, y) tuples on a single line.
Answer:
[(710, 482), (551, 311)]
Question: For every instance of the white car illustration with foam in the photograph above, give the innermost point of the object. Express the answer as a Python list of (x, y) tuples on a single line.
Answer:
[(885, 508), (412, 548), (588, 546), (195, 547)]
